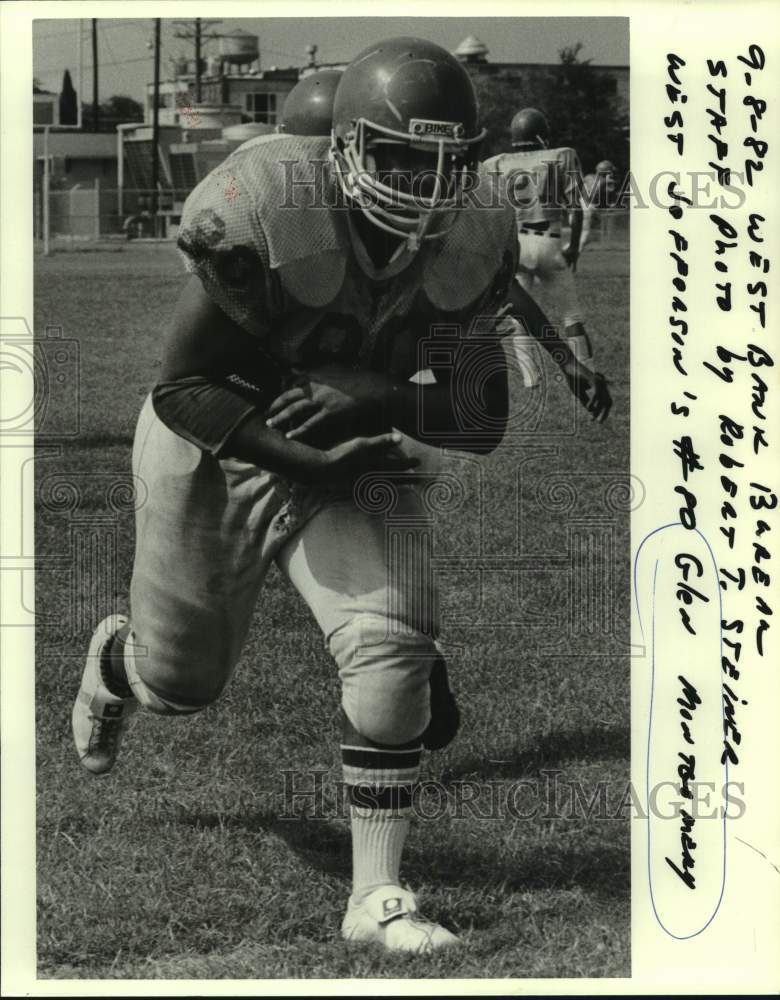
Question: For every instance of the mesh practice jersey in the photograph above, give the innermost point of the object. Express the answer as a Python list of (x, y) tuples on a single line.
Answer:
[(542, 185), (268, 235)]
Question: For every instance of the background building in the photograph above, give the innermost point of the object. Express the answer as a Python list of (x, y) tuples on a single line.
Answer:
[(587, 106), (46, 107), (526, 77), (233, 77)]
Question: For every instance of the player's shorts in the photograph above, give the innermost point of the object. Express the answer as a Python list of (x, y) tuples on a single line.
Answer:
[(543, 272), (207, 532)]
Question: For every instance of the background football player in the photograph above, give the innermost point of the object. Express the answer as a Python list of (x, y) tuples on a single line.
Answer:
[(308, 108), (600, 193), (284, 370), (544, 186)]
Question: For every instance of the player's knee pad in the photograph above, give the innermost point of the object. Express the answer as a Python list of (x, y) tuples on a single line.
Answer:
[(183, 698), (384, 667)]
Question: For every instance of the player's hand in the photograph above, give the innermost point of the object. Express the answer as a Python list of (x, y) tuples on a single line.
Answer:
[(341, 465), (332, 395), (570, 254), (590, 388)]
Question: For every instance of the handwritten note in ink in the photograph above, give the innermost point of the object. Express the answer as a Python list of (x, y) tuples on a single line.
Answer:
[(705, 409), (676, 584)]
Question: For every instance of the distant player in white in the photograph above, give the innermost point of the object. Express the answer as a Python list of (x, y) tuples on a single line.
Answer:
[(544, 186), (285, 372), (599, 194)]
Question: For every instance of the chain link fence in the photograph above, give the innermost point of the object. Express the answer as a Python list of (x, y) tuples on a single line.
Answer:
[(85, 217)]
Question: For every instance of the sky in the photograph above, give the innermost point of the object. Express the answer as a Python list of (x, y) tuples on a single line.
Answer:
[(125, 50)]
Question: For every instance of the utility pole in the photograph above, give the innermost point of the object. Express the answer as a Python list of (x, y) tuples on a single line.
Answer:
[(95, 112), (80, 94), (199, 32), (46, 191), (156, 123), (197, 60)]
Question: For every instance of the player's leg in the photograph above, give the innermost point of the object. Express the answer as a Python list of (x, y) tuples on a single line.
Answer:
[(376, 605), (525, 349), (588, 216), (558, 287), (608, 223), (197, 571)]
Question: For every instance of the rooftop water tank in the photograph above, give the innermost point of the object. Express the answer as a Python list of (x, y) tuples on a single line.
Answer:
[(239, 47)]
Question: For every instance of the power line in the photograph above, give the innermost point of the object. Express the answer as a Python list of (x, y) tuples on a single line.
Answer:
[(188, 33), (38, 70), (106, 27), (107, 40), (195, 33), (119, 62)]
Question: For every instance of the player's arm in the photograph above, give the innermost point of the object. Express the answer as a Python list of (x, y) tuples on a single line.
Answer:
[(588, 210), (589, 387), (214, 390), (468, 406), (574, 188), (336, 397), (572, 251)]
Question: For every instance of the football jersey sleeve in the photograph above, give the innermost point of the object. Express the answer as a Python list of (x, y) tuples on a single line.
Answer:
[(222, 242)]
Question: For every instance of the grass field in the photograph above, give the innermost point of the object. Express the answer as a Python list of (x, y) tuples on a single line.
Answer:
[(180, 863)]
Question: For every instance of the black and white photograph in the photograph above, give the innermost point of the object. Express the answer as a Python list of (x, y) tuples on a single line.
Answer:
[(389, 498), (332, 500)]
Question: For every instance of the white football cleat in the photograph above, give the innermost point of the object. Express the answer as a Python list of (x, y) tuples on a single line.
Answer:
[(99, 717), (388, 916)]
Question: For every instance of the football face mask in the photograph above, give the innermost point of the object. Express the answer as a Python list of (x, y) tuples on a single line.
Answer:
[(409, 188), (404, 135)]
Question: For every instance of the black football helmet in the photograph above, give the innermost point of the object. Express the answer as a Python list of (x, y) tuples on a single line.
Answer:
[(405, 131), (308, 109), (606, 168), (529, 129)]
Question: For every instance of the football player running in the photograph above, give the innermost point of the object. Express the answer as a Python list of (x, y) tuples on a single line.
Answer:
[(544, 186), (317, 267)]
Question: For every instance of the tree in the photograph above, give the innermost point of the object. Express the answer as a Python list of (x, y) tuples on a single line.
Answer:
[(126, 108), (113, 112), (579, 101), (69, 111), (584, 112)]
